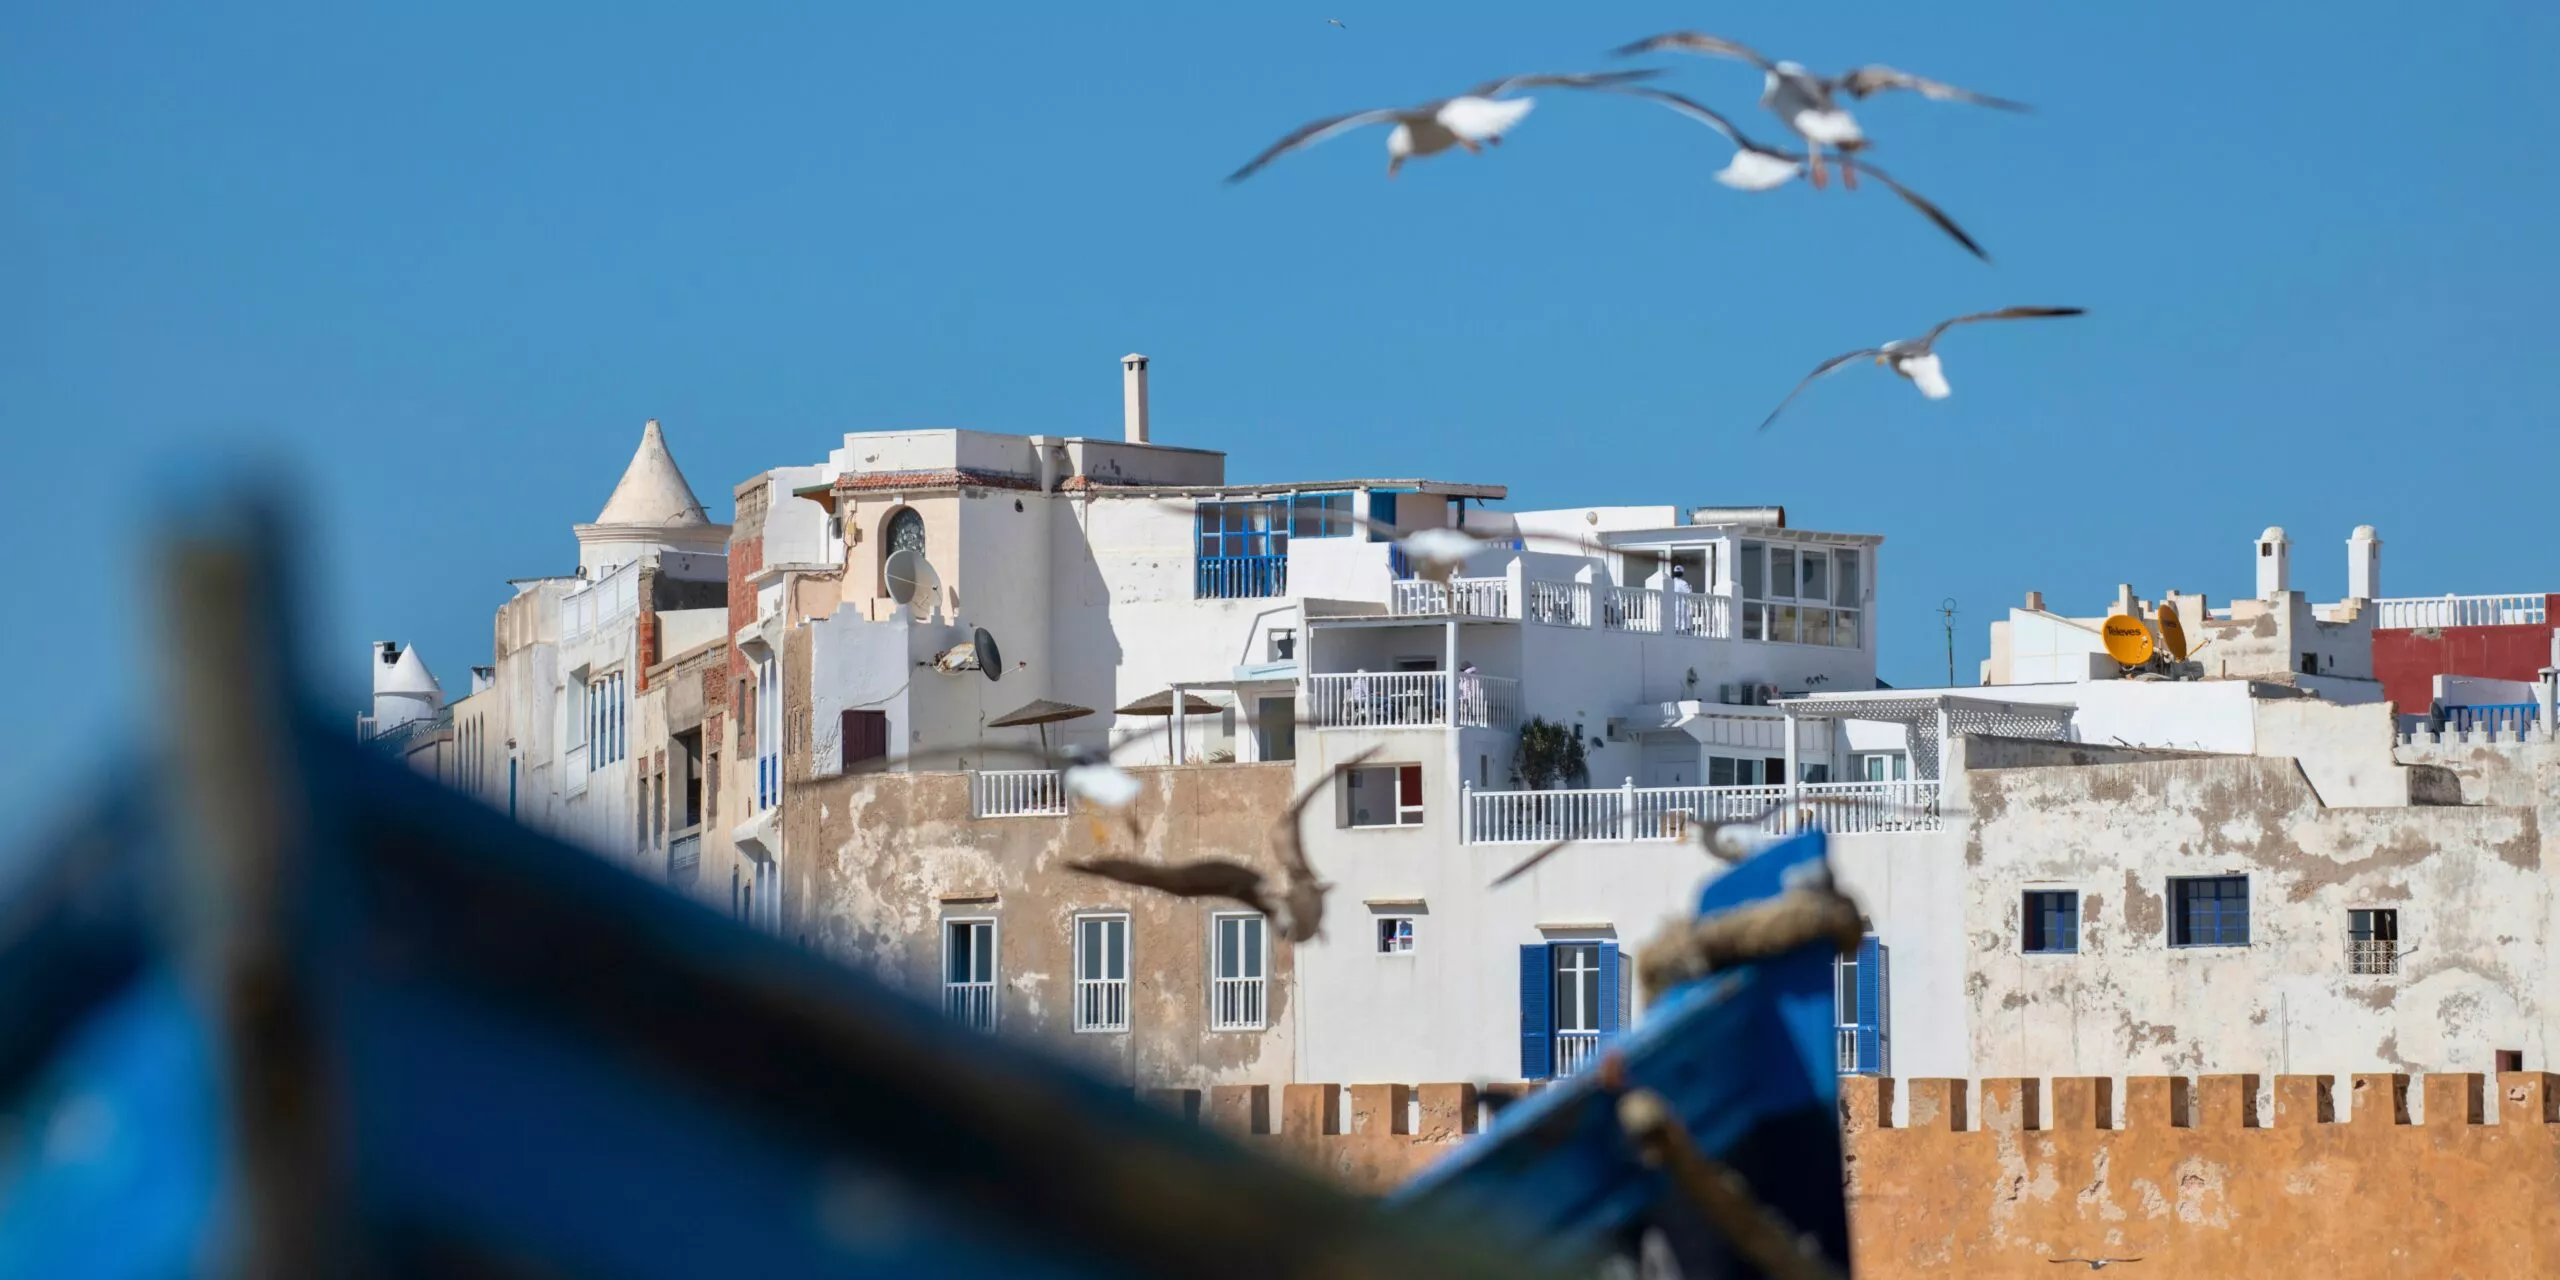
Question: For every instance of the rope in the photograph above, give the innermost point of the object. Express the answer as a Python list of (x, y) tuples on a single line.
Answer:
[(1689, 950), (1759, 1233)]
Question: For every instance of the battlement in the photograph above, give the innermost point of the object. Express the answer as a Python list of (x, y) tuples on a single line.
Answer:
[(2203, 1177), (1392, 1130)]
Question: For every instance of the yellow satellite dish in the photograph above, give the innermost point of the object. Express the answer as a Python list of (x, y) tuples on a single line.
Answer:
[(2128, 641), (2171, 634)]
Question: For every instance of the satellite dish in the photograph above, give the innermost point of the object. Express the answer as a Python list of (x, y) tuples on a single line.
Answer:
[(911, 581), (2128, 641), (990, 661), (2171, 633)]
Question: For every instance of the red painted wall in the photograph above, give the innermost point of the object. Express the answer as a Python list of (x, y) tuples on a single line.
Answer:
[(2407, 662)]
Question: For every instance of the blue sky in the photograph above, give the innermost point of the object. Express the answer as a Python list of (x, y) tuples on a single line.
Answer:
[(445, 259)]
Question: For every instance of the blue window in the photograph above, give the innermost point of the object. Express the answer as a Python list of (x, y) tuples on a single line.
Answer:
[(2052, 921), (1862, 997), (2209, 911), (1244, 550), (1320, 515), (1573, 995)]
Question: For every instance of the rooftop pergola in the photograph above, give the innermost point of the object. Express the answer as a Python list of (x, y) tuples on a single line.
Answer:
[(1937, 716)]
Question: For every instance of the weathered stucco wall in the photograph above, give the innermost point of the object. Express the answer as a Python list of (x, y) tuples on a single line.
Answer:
[(2471, 886), (2193, 1180), (878, 861)]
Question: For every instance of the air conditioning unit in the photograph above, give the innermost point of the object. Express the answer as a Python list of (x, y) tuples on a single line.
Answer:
[(1763, 694), (1728, 696)]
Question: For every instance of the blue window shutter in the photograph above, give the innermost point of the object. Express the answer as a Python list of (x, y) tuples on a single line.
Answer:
[(1870, 1005), (1537, 1029), (1609, 1012)]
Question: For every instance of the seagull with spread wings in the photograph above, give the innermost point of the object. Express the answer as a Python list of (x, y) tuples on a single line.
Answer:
[(1809, 104), (1474, 120), (1916, 358), (1296, 910), (1759, 167)]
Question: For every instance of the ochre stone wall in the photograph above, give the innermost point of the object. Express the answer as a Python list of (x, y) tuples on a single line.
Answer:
[(2193, 1180), (1378, 1137)]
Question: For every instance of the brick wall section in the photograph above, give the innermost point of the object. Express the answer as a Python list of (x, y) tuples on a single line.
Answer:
[(2407, 661), (647, 629), (2191, 1178)]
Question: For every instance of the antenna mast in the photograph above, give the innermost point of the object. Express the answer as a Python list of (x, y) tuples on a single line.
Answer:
[(1947, 609)]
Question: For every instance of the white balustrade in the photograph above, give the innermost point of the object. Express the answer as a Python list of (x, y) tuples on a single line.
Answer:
[(1652, 814), (1377, 700), (1561, 604), (1017, 793), (1236, 1004), (1631, 609), (2458, 611), (1470, 597), (1102, 1004), (971, 1004), (1574, 1051)]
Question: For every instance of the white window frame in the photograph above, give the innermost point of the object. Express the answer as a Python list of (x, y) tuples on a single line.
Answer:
[(768, 678), (1099, 999), (1399, 813), (1392, 941), (976, 1003), (1239, 1002)]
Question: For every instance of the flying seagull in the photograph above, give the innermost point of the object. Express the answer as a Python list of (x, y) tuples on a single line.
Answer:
[(1335, 22), (1916, 358), (1758, 167), (1298, 910), (1472, 120), (1809, 104), (2095, 1264)]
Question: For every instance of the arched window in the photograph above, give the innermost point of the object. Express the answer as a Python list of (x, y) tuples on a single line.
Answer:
[(902, 531), (905, 531)]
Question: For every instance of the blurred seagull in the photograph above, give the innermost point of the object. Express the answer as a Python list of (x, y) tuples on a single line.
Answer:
[(2095, 1264), (1335, 22), (1809, 104), (1757, 167), (1298, 910), (1471, 120), (1916, 358)]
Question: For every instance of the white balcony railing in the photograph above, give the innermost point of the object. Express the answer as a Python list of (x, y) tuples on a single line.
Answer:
[(1236, 1004), (971, 1004), (1410, 700), (1017, 793), (609, 598), (1470, 597), (1102, 1004), (2366, 955), (2459, 611), (1560, 604), (1574, 1051), (1631, 609), (1651, 814)]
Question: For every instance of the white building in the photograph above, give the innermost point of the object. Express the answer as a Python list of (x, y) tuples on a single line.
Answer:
[(548, 734)]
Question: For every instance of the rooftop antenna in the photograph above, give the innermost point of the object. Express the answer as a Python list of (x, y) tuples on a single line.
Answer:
[(1947, 610)]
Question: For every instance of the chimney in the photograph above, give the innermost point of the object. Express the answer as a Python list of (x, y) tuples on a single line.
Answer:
[(2035, 601), (1133, 397), (2364, 564), (2124, 599), (2275, 563)]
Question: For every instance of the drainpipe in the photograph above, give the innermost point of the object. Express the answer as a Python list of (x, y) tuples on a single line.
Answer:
[(1178, 726), (1794, 787)]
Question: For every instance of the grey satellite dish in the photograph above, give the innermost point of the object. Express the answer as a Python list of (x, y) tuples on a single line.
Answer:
[(911, 581), (990, 661)]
